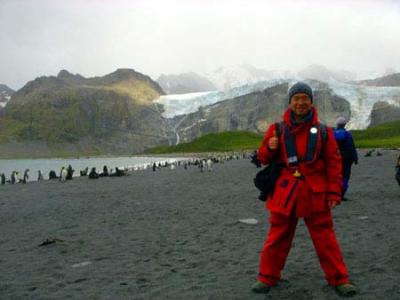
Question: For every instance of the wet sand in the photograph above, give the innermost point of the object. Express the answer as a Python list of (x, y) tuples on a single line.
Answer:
[(174, 234)]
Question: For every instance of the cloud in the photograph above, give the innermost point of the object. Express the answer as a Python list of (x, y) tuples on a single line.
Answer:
[(155, 36)]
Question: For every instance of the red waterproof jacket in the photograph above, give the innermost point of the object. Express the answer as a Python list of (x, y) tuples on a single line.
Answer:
[(320, 178)]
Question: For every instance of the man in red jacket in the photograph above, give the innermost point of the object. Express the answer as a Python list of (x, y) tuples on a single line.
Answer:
[(309, 186)]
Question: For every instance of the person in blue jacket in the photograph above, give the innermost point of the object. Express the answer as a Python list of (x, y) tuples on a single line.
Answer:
[(348, 151), (398, 170)]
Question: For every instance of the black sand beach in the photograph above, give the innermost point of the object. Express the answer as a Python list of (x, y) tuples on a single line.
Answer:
[(174, 234)]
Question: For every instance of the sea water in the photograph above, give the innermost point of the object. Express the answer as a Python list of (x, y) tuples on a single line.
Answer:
[(7, 166)]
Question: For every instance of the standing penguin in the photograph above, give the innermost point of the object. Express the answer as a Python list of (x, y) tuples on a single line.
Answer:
[(26, 176)]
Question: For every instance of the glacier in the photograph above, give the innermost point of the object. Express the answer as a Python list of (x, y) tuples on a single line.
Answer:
[(361, 98), (182, 104)]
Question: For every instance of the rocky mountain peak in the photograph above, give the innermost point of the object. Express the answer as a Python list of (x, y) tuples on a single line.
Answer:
[(392, 80), (128, 75), (322, 73), (124, 74), (64, 74)]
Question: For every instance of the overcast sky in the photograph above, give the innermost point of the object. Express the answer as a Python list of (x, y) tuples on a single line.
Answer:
[(95, 37)]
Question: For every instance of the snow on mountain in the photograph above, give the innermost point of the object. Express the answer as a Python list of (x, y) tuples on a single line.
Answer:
[(322, 73), (5, 95), (226, 78), (180, 104), (5, 101)]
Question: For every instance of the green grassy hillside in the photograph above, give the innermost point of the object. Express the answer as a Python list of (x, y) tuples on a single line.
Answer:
[(381, 136), (215, 142)]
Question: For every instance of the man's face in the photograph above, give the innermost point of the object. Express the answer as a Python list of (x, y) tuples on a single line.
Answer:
[(300, 104)]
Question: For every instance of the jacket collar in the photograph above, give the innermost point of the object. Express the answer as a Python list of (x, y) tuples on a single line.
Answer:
[(310, 119)]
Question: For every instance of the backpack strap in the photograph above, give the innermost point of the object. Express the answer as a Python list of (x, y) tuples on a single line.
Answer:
[(290, 144), (278, 127), (324, 133)]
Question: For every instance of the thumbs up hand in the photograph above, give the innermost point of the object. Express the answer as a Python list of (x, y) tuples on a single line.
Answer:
[(273, 141)]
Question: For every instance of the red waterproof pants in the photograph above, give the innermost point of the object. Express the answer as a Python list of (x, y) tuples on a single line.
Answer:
[(279, 240)]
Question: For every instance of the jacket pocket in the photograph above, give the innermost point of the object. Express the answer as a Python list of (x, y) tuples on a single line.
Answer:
[(284, 190), (318, 187)]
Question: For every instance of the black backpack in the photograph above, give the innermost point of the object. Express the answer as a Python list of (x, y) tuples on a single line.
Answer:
[(266, 178)]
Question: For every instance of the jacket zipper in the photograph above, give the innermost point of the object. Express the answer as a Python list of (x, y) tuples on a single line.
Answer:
[(291, 193)]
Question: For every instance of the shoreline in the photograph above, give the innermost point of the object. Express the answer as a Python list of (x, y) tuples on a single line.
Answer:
[(126, 163), (182, 154), (175, 154)]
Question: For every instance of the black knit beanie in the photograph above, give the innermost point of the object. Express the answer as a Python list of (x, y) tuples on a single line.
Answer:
[(300, 87)]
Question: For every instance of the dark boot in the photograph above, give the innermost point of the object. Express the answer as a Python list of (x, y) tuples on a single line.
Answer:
[(260, 287), (346, 290)]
